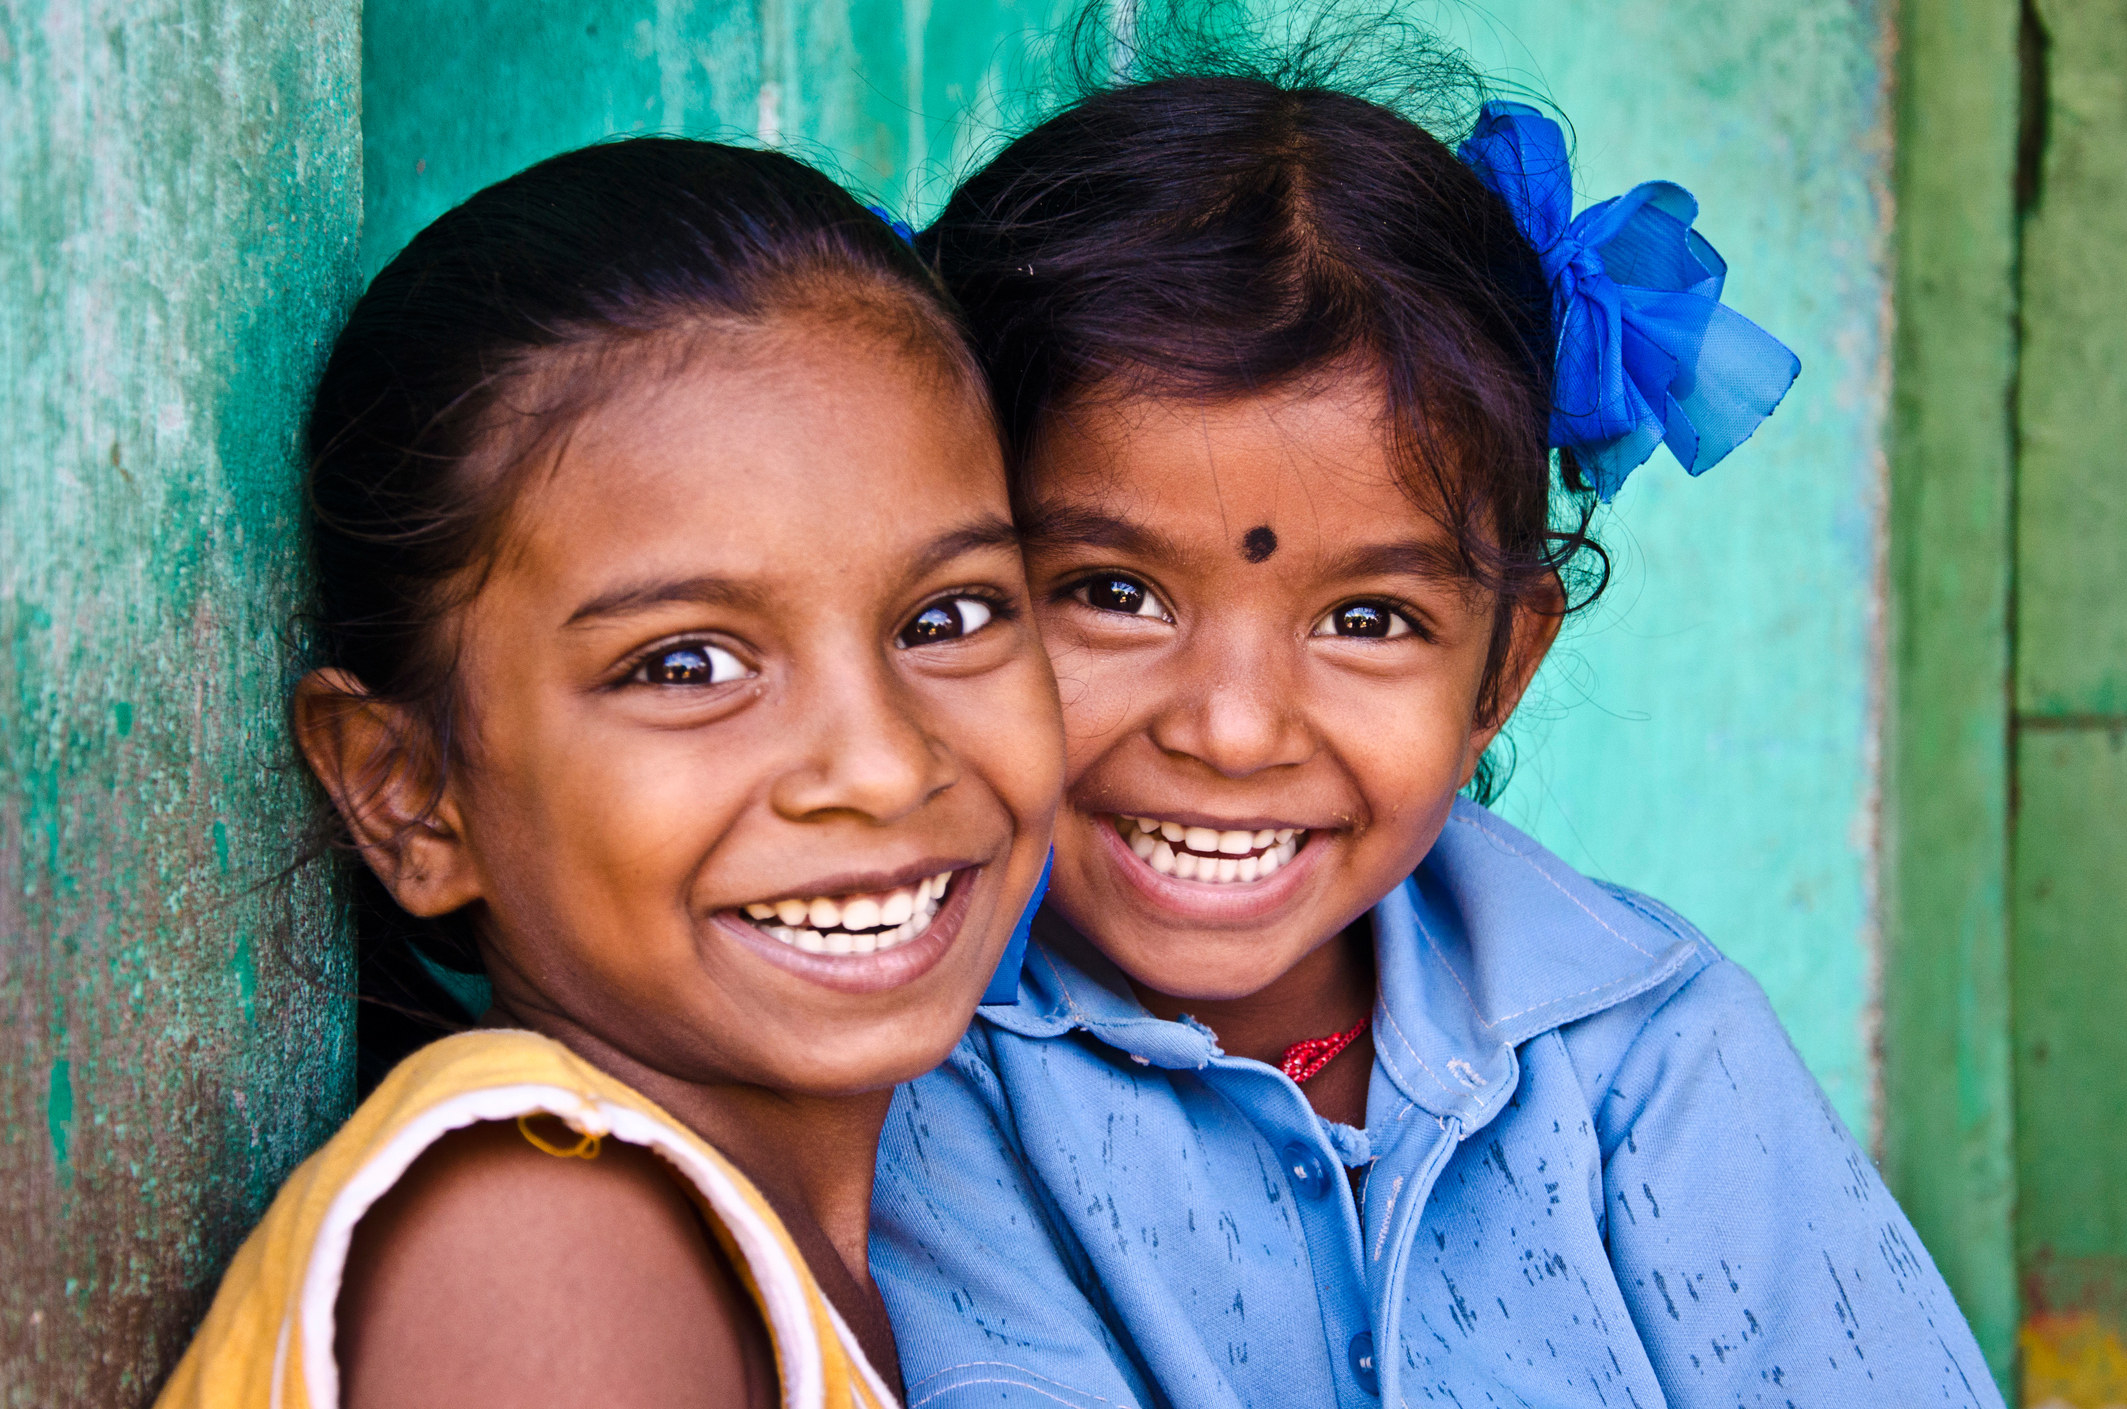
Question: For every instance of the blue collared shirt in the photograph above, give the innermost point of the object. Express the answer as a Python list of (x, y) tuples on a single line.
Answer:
[(1596, 1174)]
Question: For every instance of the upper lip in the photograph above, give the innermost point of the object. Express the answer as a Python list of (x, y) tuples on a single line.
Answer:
[(864, 882), (1217, 824)]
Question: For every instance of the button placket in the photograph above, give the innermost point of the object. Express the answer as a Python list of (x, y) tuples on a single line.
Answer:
[(1361, 1354)]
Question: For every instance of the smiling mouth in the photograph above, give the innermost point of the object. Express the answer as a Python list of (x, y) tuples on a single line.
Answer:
[(852, 924), (1207, 854)]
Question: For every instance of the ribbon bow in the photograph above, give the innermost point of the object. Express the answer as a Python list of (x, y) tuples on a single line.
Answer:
[(1647, 353), (894, 223)]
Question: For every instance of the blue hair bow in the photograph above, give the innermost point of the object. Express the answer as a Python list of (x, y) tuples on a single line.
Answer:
[(1647, 354), (894, 223)]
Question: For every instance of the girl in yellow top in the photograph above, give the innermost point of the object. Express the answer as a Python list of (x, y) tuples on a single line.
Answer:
[(676, 688)]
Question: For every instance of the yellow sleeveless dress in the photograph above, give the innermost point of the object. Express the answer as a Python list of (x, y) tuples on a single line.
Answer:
[(267, 1341)]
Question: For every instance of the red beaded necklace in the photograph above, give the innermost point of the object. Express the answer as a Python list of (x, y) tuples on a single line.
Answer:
[(1304, 1060)]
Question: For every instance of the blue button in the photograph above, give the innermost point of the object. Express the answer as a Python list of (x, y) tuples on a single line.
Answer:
[(1362, 1352), (1306, 1170)]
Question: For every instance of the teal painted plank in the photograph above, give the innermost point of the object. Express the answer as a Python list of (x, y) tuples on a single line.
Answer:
[(177, 239), (2071, 1047), (2071, 674), (1949, 1118), (2071, 484), (1707, 734), (892, 96)]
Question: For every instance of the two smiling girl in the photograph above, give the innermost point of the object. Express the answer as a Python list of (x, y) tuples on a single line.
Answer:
[(682, 675)]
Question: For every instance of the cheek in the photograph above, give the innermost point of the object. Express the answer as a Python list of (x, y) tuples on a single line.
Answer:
[(1404, 742), (1004, 726)]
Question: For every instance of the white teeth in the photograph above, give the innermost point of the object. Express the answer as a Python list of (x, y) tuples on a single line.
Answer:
[(1211, 855), (855, 924)]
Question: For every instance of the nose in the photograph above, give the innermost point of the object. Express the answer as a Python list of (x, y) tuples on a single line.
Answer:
[(1234, 705), (865, 751)]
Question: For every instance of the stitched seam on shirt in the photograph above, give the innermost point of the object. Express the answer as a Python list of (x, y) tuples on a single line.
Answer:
[(1550, 880), (1078, 1014), (1432, 944), (999, 1365), (1414, 1051), (1080, 1396), (1632, 902)]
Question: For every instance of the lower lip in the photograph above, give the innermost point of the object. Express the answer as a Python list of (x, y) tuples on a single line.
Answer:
[(866, 973), (1228, 904)]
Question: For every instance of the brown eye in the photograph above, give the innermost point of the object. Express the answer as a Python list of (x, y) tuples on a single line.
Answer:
[(946, 620), (690, 663), (1113, 592), (1376, 620)]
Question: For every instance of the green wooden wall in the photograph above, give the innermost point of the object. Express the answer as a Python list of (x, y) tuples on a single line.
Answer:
[(2069, 838), (179, 203), (1858, 702)]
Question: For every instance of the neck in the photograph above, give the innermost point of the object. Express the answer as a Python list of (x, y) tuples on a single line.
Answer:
[(1328, 991)]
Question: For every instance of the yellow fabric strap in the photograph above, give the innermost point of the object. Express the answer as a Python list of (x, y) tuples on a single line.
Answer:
[(586, 1146)]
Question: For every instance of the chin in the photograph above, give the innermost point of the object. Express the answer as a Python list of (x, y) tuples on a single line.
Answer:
[(856, 1069), (1187, 971)]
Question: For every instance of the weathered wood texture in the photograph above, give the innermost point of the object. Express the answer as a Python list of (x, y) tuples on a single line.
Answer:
[(2070, 893), (178, 210), (1947, 1149), (892, 96)]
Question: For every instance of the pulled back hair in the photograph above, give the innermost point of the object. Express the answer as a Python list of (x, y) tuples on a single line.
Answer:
[(1216, 216), (485, 340)]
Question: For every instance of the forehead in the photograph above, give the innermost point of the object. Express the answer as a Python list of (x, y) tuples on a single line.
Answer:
[(805, 450), (1313, 467)]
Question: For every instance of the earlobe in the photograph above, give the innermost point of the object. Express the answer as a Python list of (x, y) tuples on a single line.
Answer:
[(376, 761), (1535, 630)]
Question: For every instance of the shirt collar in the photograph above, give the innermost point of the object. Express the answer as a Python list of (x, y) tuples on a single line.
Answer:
[(1493, 941)]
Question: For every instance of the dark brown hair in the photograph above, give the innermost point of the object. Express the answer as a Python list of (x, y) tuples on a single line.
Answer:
[(493, 331), (1230, 222)]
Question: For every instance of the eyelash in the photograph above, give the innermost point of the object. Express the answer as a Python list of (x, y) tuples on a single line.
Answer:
[(1399, 614), (1080, 591), (710, 653), (995, 607)]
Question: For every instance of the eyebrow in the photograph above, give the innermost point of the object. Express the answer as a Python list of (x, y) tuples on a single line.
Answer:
[(1055, 526), (1410, 557), (1052, 526), (710, 590)]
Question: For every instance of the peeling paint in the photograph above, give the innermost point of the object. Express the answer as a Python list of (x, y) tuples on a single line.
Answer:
[(176, 244)]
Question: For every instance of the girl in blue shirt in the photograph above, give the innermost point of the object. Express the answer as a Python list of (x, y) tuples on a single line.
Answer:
[(1321, 1084)]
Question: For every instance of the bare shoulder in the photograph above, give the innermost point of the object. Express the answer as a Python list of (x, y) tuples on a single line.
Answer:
[(495, 1274)]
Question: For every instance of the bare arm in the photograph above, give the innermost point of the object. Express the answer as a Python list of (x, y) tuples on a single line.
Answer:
[(494, 1274)]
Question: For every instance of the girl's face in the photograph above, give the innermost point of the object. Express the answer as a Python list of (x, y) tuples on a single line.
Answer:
[(1270, 677), (764, 750)]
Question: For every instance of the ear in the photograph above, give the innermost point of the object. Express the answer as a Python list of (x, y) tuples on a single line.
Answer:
[(1536, 623), (380, 767)]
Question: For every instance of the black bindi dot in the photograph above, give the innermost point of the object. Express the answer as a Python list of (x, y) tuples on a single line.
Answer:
[(1259, 543)]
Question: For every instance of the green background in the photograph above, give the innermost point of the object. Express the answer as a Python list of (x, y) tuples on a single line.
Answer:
[(1857, 702)]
